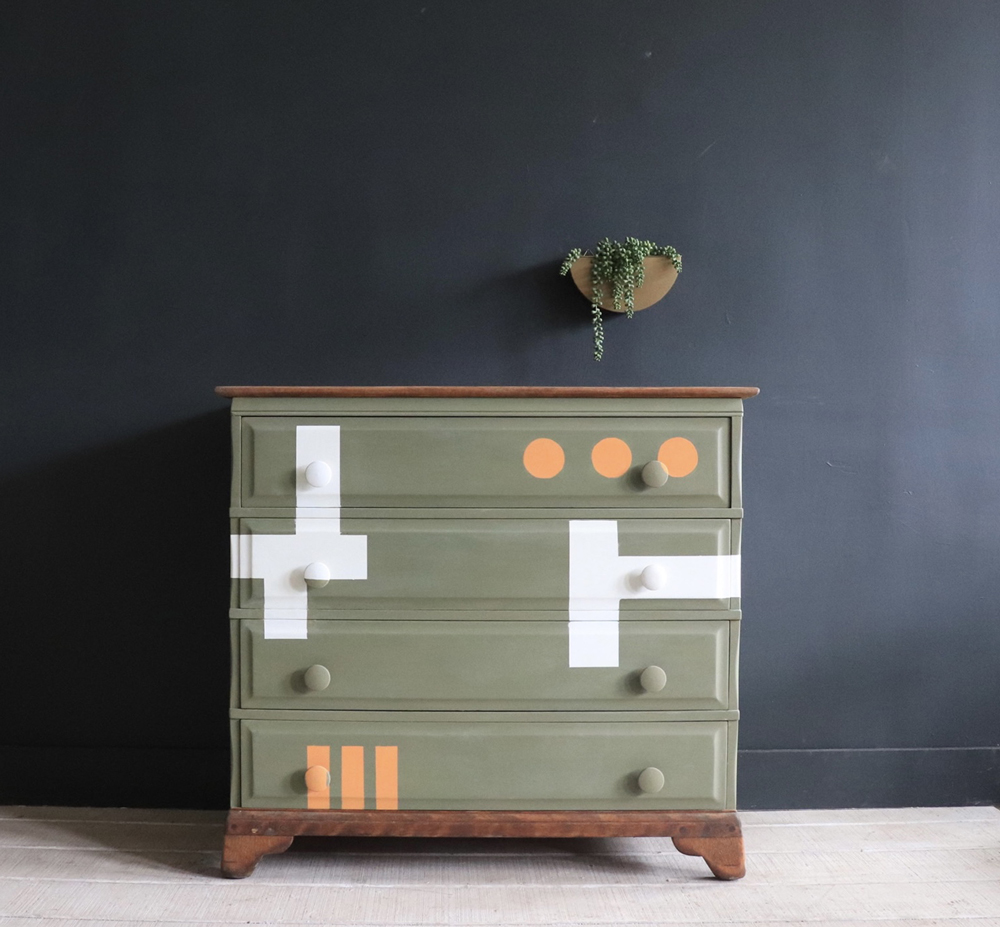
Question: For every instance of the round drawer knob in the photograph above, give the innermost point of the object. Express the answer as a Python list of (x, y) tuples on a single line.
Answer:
[(317, 778), (318, 473), (317, 574), (317, 677), (652, 679), (653, 576), (654, 474), (651, 779)]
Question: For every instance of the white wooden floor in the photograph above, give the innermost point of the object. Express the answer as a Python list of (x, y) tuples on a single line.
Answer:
[(73, 867)]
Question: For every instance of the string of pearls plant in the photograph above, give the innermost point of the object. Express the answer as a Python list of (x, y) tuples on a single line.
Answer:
[(619, 265)]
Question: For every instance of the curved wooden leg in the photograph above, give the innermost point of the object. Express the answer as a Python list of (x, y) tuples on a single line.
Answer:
[(242, 852), (724, 855)]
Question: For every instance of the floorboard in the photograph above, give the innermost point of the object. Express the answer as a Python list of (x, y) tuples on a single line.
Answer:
[(925, 867)]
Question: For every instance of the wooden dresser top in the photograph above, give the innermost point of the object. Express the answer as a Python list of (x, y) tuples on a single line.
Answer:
[(493, 392)]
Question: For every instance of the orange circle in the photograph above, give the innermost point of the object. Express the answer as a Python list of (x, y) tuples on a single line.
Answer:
[(679, 456), (544, 458), (611, 457)]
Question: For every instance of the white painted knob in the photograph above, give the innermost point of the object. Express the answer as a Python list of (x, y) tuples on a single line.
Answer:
[(654, 474), (653, 679), (317, 574), (318, 473), (651, 779), (653, 576)]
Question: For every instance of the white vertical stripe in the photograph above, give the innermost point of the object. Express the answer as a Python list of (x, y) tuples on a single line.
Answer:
[(286, 624), (279, 559), (599, 579), (317, 442), (593, 643)]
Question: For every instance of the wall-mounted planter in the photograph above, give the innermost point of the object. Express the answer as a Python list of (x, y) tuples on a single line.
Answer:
[(660, 276)]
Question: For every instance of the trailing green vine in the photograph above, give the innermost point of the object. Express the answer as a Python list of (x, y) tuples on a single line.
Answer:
[(619, 265)]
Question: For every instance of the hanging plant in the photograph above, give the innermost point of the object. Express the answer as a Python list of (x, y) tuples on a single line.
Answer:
[(616, 271)]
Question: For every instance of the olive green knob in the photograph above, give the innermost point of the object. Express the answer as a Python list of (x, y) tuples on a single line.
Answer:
[(653, 679), (651, 779), (317, 778), (654, 474), (317, 677)]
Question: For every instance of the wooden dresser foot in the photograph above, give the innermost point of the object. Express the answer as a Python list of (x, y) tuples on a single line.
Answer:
[(724, 855), (242, 852)]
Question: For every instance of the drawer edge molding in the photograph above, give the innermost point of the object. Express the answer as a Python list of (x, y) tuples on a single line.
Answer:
[(488, 716), (483, 462), (482, 665), (590, 564), (545, 514), (500, 614)]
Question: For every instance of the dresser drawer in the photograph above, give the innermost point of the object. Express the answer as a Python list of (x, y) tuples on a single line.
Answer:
[(484, 664), (483, 462), (457, 763), (484, 563)]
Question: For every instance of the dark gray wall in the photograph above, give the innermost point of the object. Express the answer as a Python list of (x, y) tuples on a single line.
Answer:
[(356, 193)]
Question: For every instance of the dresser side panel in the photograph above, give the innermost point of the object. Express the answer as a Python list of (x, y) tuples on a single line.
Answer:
[(736, 461), (734, 663), (235, 763), (731, 749), (234, 663), (236, 443)]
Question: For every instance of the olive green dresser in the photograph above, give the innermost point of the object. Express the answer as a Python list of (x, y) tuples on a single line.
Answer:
[(485, 612)]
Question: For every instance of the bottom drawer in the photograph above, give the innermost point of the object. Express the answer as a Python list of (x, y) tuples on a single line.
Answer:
[(463, 764)]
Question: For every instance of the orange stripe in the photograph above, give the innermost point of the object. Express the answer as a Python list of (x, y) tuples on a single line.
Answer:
[(352, 777), (387, 778), (318, 756)]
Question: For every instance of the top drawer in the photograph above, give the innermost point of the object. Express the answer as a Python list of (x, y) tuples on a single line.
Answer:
[(483, 462)]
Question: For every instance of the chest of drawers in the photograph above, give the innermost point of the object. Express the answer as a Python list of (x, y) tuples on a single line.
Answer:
[(485, 612)]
